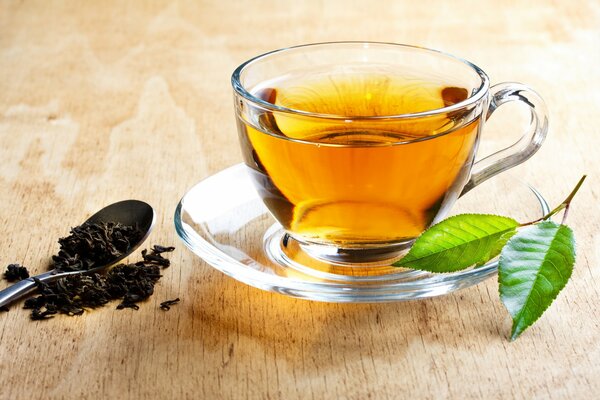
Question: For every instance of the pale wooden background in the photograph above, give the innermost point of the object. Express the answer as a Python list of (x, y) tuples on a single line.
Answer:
[(101, 101)]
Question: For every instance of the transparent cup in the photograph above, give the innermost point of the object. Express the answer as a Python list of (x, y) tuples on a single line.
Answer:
[(356, 148)]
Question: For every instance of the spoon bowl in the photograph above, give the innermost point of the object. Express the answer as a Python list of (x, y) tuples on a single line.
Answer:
[(127, 212)]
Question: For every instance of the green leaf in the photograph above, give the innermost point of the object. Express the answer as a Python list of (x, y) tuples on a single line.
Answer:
[(457, 242), (534, 266)]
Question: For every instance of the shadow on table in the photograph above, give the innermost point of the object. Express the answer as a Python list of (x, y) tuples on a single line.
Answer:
[(325, 335)]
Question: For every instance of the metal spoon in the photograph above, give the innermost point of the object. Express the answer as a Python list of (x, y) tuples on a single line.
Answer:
[(127, 212)]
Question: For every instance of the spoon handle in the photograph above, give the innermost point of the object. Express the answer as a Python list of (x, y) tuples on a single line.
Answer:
[(26, 286)]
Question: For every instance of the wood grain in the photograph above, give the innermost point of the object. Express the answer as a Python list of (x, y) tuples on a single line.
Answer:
[(101, 101)]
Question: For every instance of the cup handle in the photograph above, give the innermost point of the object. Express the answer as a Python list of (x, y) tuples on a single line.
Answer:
[(523, 148)]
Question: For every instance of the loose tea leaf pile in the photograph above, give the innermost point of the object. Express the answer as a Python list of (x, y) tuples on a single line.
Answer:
[(71, 295), (88, 246), (94, 244)]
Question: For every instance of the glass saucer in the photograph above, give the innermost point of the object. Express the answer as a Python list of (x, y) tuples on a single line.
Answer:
[(223, 221)]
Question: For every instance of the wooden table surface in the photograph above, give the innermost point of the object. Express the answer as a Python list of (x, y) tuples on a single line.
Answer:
[(101, 101)]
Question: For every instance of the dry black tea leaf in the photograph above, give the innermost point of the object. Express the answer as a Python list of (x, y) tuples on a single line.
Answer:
[(156, 256), (15, 272), (166, 305), (158, 249)]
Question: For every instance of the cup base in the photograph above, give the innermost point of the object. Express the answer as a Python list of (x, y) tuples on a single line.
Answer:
[(331, 262)]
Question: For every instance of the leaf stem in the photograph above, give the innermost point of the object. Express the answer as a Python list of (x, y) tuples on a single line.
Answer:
[(562, 206)]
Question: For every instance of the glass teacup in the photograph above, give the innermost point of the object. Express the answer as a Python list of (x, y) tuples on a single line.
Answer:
[(357, 148)]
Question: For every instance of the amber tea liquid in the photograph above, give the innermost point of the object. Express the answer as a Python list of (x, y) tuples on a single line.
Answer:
[(357, 181)]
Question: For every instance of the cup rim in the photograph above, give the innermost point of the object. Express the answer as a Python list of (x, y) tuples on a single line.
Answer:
[(473, 98)]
